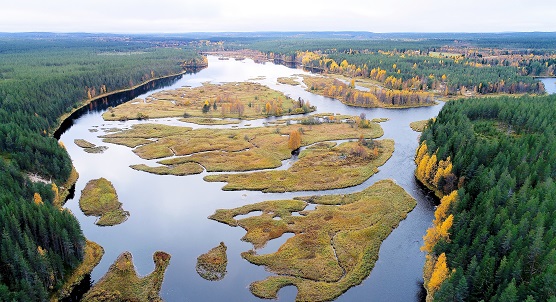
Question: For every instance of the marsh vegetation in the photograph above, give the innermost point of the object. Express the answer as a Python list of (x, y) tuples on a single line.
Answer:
[(245, 100), (99, 198), (334, 247), (122, 283)]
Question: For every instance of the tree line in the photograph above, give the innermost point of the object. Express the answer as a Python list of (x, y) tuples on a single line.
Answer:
[(493, 235)]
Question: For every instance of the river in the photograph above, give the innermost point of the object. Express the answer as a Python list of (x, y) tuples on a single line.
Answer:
[(169, 213)]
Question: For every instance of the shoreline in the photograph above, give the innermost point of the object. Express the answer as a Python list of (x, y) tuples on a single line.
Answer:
[(84, 103), (72, 180)]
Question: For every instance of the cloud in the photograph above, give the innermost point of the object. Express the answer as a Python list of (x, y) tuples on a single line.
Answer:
[(285, 15)]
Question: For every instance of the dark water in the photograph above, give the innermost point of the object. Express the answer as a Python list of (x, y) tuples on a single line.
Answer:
[(169, 213)]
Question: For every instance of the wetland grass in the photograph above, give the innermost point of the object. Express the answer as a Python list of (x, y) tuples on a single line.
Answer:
[(334, 247), (121, 282), (99, 198), (228, 150), (316, 169), (212, 264)]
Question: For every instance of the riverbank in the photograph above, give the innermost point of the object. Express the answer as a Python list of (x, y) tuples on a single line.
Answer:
[(84, 103)]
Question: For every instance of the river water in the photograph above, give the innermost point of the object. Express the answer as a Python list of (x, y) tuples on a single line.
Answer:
[(169, 213)]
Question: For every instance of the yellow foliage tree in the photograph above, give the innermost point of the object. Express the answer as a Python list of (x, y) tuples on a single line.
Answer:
[(439, 274), (442, 209), (56, 193), (421, 151), (37, 198), (422, 166), (294, 141), (430, 170)]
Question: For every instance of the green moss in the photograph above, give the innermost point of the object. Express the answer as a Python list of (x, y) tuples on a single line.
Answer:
[(99, 198), (212, 265), (121, 282), (335, 246)]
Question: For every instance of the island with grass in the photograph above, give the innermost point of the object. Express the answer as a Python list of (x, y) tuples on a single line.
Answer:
[(334, 246), (99, 198), (185, 151), (244, 100), (212, 264)]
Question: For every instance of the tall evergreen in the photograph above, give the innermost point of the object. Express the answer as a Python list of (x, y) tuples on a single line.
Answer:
[(501, 244)]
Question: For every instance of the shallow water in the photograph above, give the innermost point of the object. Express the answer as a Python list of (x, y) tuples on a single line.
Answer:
[(169, 213)]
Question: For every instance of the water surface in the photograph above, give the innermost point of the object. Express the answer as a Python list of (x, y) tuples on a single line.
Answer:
[(169, 213)]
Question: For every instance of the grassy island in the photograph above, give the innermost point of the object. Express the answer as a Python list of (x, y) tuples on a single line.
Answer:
[(89, 147), (335, 246), (212, 264), (121, 282), (99, 198), (322, 168), (228, 150), (288, 81), (245, 100)]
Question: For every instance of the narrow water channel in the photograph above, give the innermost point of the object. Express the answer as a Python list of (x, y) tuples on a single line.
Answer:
[(169, 213)]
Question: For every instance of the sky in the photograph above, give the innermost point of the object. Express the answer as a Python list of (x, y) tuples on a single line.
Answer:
[(180, 16)]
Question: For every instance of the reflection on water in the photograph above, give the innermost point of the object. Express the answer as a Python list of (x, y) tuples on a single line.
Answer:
[(169, 213)]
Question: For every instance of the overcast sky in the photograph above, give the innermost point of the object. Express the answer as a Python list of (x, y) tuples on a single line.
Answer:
[(175, 16)]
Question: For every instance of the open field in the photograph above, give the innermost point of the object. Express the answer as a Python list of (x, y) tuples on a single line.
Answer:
[(335, 246)]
